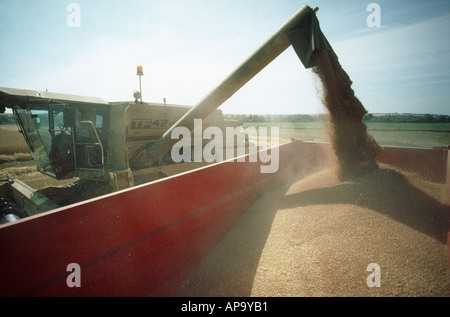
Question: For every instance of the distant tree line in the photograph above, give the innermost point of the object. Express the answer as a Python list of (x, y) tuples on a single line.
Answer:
[(406, 117), (369, 117), (245, 118), (7, 118)]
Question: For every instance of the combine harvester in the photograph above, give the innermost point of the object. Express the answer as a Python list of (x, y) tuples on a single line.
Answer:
[(144, 222)]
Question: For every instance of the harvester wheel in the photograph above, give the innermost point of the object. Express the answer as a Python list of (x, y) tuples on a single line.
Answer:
[(9, 211)]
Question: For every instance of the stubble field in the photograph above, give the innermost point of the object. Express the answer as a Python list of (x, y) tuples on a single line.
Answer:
[(425, 135)]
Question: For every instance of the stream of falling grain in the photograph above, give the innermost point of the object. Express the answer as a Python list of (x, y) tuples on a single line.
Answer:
[(355, 149)]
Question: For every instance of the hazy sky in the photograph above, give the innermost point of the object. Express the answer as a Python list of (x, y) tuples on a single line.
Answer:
[(188, 47)]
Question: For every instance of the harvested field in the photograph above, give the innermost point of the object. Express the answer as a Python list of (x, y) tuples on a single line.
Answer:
[(316, 237), (11, 141)]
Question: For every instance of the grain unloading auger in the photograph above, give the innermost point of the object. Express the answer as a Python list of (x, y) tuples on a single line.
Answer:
[(302, 30)]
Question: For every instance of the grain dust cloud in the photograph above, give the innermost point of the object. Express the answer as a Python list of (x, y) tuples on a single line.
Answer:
[(355, 149)]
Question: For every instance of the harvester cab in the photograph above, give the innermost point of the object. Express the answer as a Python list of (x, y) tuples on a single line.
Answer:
[(75, 136), (64, 133)]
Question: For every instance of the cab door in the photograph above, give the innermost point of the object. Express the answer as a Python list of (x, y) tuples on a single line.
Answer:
[(34, 134), (89, 151)]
